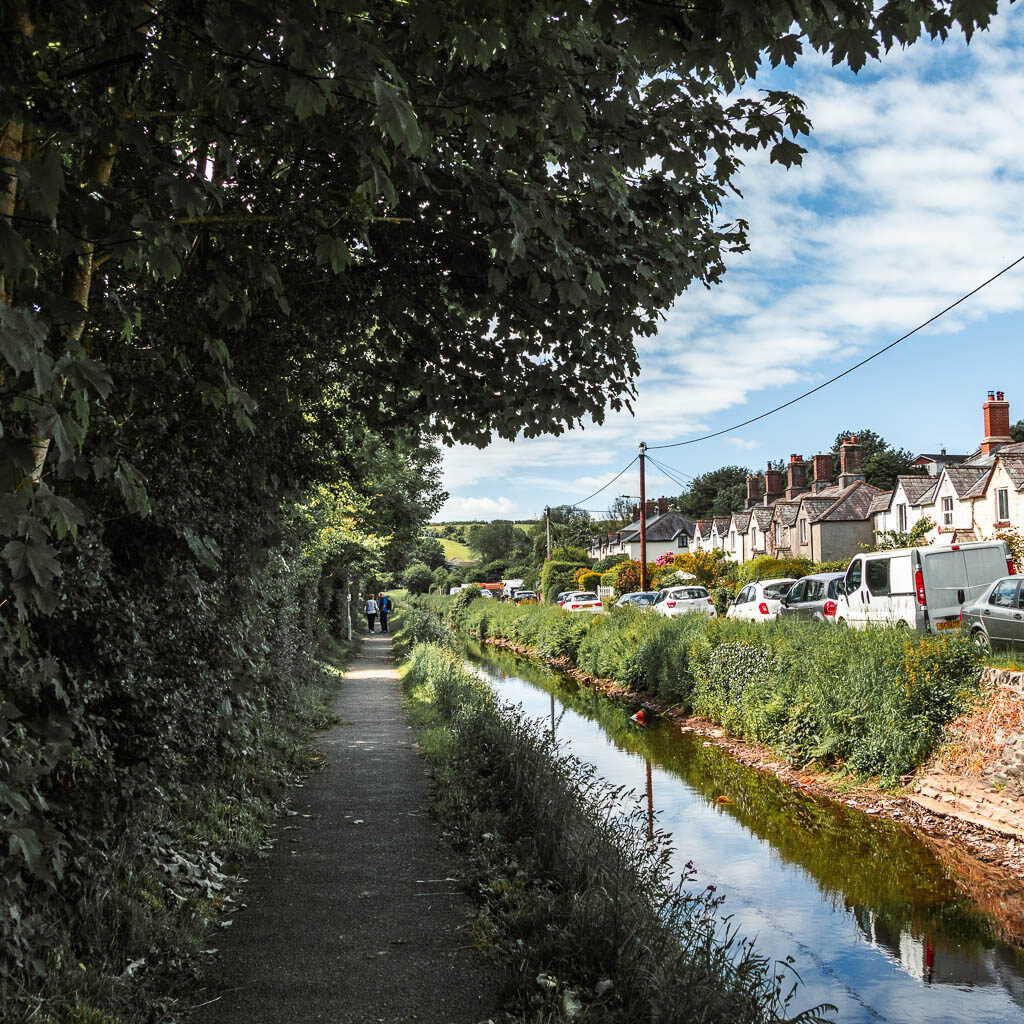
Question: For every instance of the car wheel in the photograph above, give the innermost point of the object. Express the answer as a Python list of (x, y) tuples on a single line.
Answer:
[(980, 637)]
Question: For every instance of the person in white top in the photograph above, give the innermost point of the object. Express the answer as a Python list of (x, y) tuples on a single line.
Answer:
[(371, 613)]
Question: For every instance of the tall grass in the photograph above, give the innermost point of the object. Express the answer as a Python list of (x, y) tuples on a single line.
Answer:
[(875, 701), (577, 892)]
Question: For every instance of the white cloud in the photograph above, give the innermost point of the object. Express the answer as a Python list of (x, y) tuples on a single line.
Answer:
[(742, 444), (456, 509)]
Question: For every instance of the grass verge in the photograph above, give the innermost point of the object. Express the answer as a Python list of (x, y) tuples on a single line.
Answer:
[(575, 892)]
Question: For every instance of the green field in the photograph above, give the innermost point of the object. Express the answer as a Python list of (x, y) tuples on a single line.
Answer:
[(456, 549)]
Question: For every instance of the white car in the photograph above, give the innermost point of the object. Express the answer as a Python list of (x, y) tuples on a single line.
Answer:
[(674, 601), (582, 601), (759, 601)]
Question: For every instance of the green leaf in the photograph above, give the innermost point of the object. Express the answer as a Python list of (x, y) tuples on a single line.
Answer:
[(32, 558), (306, 98), (395, 116)]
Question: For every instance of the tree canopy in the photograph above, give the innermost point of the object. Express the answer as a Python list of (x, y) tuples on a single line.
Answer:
[(881, 462), (718, 492)]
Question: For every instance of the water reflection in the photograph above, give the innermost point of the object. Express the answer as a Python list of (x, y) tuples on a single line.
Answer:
[(878, 924)]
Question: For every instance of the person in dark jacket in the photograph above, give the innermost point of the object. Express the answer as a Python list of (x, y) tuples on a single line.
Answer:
[(384, 608)]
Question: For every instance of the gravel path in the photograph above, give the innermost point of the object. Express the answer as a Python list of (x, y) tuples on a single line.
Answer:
[(357, 915)]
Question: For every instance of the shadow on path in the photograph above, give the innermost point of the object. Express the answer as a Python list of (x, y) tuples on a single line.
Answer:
[(357, 915)]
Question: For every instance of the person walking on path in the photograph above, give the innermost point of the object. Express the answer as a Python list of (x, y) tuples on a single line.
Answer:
[(371, 613), (385, 605), (359, 913)]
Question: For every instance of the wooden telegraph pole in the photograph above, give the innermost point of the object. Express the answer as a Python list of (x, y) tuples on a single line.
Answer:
[(547, 524), (643, 521)]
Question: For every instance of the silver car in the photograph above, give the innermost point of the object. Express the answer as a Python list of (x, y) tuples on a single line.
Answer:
[(996, 619), (813, 597)]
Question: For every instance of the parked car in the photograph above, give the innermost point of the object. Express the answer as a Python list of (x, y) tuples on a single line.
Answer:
[(640, 598), (674, 601), (525, 597), (759, 600), (582, 601), (921, 588), (996, 619), (562, 596), (813, 597)]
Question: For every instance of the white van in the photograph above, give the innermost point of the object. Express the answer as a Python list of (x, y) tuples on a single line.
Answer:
[(923, 588)]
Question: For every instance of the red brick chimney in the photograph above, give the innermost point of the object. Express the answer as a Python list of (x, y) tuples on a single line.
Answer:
[(636, 513), (997, 423), (772, 485), (662, 506), (822, 472), (849, 462), (649, 508), (753, 489), (797, 476)]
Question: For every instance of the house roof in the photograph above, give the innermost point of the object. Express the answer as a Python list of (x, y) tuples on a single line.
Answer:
[(762, 515), (722, 523), (741, 520), (880, 502), (704, 528), (915, 486), (666, 526), (851, 504), (1014, 466), (963, 478), (785, 512), (949, 460)]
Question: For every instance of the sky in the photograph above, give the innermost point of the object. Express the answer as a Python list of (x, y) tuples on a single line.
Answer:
[(911, 195)]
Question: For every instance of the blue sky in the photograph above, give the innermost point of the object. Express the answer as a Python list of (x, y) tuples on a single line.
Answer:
[(911, 194)]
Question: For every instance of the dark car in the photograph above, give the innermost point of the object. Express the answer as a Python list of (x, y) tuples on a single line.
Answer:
[(996, 619), (638, 598), (813, 597)]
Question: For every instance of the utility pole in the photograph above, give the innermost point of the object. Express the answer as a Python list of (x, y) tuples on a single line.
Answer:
[(547, 524), (643, 521)]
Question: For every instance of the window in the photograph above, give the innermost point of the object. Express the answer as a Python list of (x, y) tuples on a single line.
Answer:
[(878, 576), (947, 511), (1004, 594), (753, 537), (901, 518), (732, 539), (684, 540), (815, 590), (796, 594), (803, 531), (854, 576), (778, 535), (1003, 505)]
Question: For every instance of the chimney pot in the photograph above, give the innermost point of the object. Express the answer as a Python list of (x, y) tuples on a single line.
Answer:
[(999, 396)]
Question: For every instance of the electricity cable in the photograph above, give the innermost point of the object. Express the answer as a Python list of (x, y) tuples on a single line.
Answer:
[(576, 504), (838, 376)]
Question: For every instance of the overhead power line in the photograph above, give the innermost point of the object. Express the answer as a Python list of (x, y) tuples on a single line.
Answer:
[(839, 376), (575, 504)]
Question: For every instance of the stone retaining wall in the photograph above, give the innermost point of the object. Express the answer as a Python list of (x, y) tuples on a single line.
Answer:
[(1008, 772)]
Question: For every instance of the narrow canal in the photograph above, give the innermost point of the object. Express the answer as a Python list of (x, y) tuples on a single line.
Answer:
[(878, 924)]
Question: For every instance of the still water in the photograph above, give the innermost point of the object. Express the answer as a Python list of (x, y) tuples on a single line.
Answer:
[(878, 924)]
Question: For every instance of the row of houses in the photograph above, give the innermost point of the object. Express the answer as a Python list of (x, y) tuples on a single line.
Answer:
[(802, 514)]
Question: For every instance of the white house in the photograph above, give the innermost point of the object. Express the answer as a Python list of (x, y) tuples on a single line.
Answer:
[(903, 509), (666, 531)]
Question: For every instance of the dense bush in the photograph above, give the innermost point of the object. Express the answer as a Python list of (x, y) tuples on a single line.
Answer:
[(556, 576), (875, 701)]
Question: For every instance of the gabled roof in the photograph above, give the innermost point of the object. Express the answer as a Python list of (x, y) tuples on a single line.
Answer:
[(853, 503), (785, 512), (880, 502), (1014, 466), (978, 488), (722, 524), (704, 528), (915, 486), (666, 526), (762, 515), (963, 478), (741, 520), (949, 460)]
